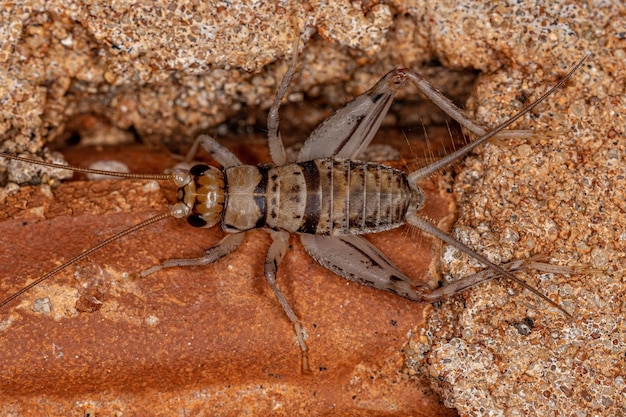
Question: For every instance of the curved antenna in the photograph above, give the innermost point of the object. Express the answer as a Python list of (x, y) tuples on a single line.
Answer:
[(85, 253), (88, 170)]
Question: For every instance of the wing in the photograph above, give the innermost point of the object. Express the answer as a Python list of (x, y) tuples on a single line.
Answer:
[(355, 259), (349, 130)]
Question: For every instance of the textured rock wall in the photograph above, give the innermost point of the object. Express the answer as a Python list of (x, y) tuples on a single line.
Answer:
[(111, 72)]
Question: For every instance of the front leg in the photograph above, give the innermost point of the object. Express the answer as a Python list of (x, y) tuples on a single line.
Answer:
[(225, 246), (218, 151), (275, 254)]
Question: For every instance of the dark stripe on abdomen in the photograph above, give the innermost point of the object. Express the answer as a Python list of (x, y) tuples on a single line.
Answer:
[(313, 204), (260, 196)]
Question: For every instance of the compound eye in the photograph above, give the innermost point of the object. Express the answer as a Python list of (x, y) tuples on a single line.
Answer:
[(196, 221), (198, 170)]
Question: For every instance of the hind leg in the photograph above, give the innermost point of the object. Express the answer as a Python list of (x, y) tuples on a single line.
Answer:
[(448, 107)]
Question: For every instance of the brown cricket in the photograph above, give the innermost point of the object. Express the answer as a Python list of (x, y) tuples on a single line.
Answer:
[(325, 196)]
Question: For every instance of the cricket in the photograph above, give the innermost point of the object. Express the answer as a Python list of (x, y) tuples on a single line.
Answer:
[(325, 196)]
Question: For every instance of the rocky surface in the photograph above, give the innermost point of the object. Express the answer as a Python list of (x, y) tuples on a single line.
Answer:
[(110, 73), (499, 351)]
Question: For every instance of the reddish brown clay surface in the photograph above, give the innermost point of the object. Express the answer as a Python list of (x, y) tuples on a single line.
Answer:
[(191, 341)]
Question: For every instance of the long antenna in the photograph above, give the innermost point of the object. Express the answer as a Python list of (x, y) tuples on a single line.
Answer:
[(177, 211), (88, 170), (85, 253)]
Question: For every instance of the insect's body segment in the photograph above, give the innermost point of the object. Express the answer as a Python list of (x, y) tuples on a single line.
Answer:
[(330, 197)]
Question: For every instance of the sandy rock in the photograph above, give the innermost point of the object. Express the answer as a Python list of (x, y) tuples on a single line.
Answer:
[(109, 73)]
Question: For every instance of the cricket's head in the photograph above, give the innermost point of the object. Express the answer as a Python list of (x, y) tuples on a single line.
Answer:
[(201, 195)]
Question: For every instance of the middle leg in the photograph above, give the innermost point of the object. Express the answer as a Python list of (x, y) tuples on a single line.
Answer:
[(275, 254)]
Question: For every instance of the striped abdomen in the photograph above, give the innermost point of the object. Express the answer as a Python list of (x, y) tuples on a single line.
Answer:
[(323, 196)]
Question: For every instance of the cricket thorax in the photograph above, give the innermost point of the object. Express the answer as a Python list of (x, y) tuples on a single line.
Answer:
[(330, 196), (204, 195)]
